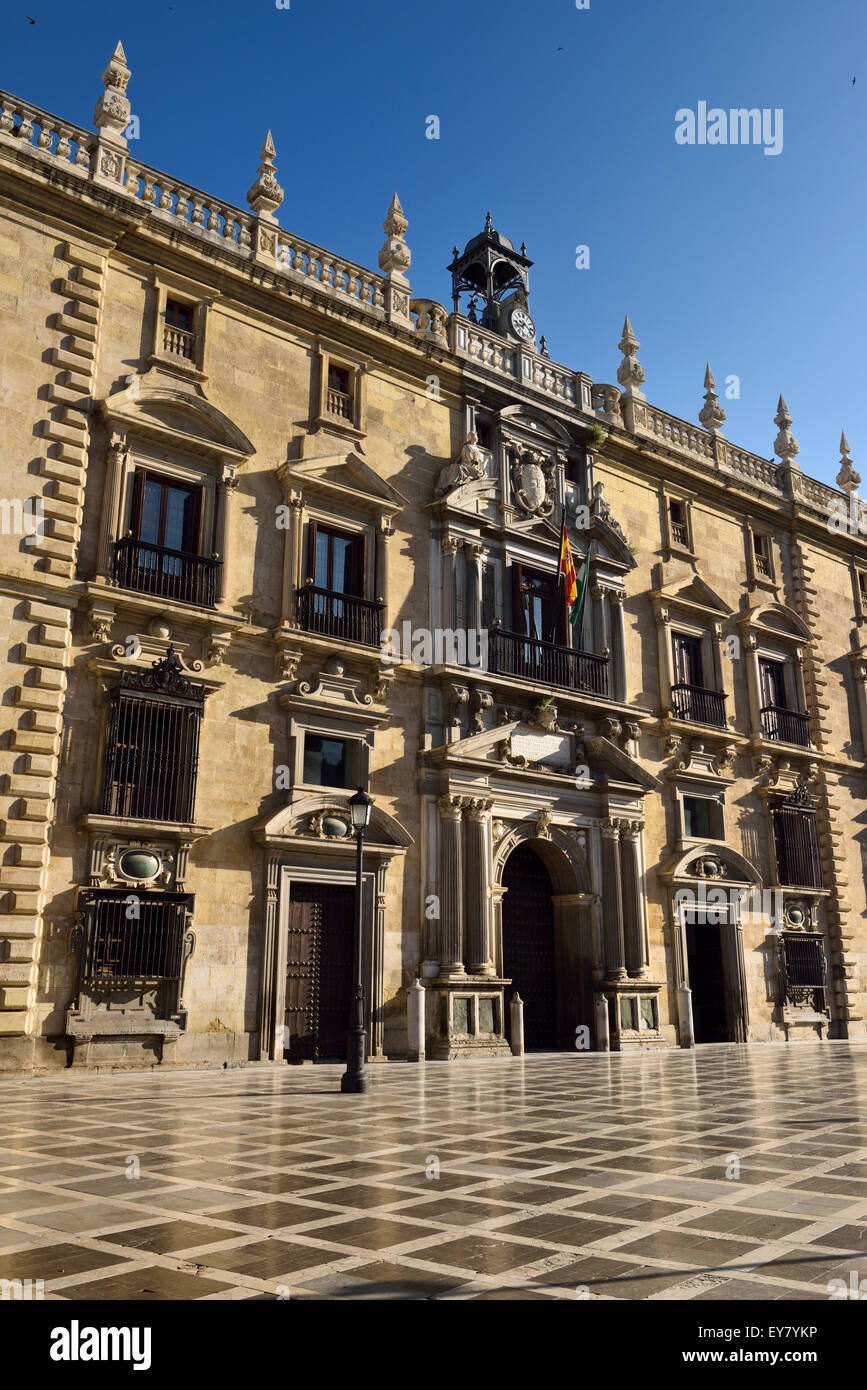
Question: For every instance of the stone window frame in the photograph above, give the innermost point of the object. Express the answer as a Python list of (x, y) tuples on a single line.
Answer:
[(328, 353), (164, 287), (755, 576), (327, 726), (700, 792), (860, 593), (352, 525), (685, 500), (711, 639)]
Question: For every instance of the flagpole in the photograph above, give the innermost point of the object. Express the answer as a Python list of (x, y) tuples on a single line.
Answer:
[(559, 575)]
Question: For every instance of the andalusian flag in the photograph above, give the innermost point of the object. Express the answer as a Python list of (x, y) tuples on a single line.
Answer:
[(574, 581)]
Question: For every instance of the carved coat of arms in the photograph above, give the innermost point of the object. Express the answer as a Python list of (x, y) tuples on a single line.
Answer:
[(533, 482)]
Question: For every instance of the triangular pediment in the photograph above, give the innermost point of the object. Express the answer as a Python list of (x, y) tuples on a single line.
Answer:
[(692, 593), (346, 475), (159, 410)]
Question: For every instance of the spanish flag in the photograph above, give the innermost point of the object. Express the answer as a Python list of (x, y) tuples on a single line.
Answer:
[(573, 594)]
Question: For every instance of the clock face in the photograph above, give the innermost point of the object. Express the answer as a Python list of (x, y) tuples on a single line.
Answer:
[(523, 325)]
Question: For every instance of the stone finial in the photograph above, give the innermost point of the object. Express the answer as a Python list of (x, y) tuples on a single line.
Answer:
[(111, 112), (712, 415), (785, 444), (266, 195), (848, 480), (489, 226), (395, 256), (630, 373)]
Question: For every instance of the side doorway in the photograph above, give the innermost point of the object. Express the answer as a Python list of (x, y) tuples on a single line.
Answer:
[(318, 972), (714, 959)]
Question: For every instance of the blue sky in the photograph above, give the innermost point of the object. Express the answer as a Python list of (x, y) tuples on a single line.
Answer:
[(562, 125)]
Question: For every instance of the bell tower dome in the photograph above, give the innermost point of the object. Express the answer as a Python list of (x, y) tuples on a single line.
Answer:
[(493, 274)]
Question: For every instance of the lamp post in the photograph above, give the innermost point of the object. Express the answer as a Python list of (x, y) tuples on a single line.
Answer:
[(355, 1079)]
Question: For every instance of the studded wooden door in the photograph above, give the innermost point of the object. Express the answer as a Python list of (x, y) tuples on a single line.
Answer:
[(528, 946), (318, 972)]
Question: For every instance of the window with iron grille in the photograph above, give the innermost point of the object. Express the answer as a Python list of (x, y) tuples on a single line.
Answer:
[(132, 938), (152, 745), (796, 840), (802, 963)]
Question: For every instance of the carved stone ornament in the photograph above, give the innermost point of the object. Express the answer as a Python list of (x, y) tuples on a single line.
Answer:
[(533, 482), (709, 867), (468, 467), (543, 823), (166, 677)]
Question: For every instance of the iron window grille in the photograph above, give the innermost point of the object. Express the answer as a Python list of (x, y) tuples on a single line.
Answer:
[(796, 840), (132, 939), (803, 969), (152, 745)]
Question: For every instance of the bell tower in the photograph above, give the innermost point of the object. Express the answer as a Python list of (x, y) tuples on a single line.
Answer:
[(496, 277)]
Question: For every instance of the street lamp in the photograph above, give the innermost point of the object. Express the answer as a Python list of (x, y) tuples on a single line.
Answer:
[(355, 1079)]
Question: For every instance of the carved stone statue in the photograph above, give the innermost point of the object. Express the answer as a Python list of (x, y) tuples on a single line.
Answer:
[(468, 467)]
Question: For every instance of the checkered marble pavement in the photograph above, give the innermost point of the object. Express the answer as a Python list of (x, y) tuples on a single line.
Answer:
[(728, 1172)]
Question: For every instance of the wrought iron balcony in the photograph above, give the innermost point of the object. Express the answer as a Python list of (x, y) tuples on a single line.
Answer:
[(333, 614), (172, 574), (117, 949), (511, 654), (786, 725), (698, 705)]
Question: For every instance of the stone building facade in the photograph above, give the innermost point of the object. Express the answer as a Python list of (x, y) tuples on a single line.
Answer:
[(273, 528)]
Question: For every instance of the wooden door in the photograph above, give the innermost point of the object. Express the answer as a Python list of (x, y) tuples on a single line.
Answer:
[(529, 948), (319, 961)]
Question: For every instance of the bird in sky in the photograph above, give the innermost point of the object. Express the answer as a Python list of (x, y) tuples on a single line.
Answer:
[(853, 82), (30, 21)]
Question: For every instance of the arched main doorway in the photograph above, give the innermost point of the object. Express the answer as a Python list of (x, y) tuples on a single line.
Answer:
[(546, 948), (528, 945)]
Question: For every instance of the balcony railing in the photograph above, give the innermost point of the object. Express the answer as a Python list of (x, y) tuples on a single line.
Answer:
[(339, 403), (180, 342), (698, 705), (680, 533), (511, 654), (786, 725), (133, 941), (154, 569), (339, 615)]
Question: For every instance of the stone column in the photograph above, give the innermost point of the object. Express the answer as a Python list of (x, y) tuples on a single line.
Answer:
[(754, 684), (473, 614), (110, 525), (226, 486), (477, 868), (449, 606), (451, 886), (612, 902), (291, 546), (270, 1020), (630, 867), (618, 644), (380, 591)]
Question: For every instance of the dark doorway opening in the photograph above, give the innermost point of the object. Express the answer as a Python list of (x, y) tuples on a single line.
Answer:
[(318, 972), (714, 979), (529, 947)]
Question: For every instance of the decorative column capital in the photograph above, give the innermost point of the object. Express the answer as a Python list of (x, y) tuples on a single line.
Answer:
[(228, 477), (609, 828), (450, 807), (631, 829), (477, 809), (451, 545)]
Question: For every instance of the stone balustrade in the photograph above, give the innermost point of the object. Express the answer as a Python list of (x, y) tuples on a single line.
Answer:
[(330, 272), (58, 140)]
